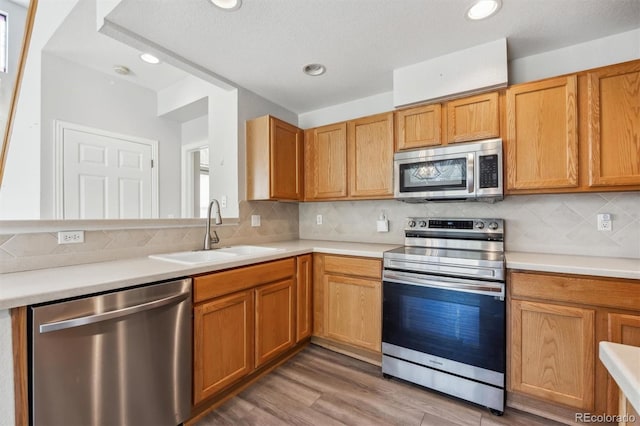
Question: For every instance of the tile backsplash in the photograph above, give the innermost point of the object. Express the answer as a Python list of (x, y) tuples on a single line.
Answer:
[(562, 223), (20, 251)]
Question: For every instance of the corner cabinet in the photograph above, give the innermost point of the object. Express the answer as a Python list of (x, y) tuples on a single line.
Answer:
[(613, 116), (542, 134), (274, 160), (555, 323)]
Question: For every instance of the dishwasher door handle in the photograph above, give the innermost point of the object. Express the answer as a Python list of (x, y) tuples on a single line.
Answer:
[(105, 316)]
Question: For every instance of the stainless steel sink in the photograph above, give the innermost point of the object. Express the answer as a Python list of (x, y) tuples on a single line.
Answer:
[(194, 257), (249, 250), (217, 255)]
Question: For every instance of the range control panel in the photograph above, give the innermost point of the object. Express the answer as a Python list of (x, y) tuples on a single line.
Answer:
[(467, 225)]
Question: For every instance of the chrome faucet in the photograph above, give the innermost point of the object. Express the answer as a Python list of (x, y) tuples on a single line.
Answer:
[(208, 238)]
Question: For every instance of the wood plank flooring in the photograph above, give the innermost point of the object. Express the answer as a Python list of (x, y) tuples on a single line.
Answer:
[(319, 387)]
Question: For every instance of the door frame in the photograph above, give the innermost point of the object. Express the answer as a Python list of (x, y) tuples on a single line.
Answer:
[(187, 171), (60, 126)]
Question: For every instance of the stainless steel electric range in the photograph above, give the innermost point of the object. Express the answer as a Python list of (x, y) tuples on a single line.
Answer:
[(444, 308)]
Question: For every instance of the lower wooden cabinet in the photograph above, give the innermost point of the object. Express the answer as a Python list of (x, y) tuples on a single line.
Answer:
[(245, 318), (348, 301), (304, 297), (555, 324), (553, 352), (223, 342), (275, 320)]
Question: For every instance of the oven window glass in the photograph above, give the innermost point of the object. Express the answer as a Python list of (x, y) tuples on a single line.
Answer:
[(433, 175), (464, 327)]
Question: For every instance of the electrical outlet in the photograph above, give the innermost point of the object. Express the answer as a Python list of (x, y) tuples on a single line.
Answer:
[(223, 201), (605, 222), (255, 220), (319, 219), (70, 237)]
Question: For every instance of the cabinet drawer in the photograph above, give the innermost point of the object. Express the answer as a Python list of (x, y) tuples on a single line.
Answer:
[(359, 266), (219, 283), (607, 292)]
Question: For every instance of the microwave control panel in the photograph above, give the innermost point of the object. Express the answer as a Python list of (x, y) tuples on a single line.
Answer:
[(488, 171)]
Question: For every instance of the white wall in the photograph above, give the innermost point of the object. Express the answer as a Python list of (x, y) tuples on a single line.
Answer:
[(195, 130), (251, 106), (20, 192), (83, 96), (592, 54), (604, 51)]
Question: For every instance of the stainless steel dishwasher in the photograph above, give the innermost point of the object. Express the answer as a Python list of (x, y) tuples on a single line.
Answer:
[(119, 358)]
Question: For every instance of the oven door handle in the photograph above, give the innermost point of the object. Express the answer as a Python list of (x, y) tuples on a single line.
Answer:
[(476, 287)]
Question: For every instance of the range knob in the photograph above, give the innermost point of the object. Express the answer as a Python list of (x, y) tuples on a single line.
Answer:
[(422, 224), (493, 226), (480, 225), (411, 223)]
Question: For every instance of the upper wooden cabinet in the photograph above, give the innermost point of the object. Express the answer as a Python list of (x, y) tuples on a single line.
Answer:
[(418, 127), (460, 120), (352, 159), (326, 162), (613, 116), (542, 134), (370, 156), (274, 160), (473, 118)]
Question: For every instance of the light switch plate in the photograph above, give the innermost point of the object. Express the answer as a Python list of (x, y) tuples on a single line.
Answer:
[(255, 220)]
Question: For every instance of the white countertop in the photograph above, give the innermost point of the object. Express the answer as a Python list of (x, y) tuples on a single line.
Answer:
[(44, 285), (623, 363), (616, 267)]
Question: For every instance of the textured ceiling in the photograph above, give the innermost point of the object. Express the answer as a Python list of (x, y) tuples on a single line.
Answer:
[(264, 45)]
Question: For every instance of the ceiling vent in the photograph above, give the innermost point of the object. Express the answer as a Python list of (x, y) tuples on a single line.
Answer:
[(464, 72)]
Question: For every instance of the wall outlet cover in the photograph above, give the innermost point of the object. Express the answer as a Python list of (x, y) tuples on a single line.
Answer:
[(255, 220)]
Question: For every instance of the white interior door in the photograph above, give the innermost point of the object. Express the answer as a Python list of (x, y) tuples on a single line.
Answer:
[(105, 176)]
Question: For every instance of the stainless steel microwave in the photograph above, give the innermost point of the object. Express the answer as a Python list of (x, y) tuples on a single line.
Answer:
[(469, 171)]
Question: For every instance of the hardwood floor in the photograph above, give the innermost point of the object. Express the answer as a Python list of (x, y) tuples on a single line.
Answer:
[(319, 387)]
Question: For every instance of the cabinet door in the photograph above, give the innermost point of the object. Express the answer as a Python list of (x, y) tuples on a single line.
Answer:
[(275, 316), (285, 169), (552, 352), (353, 311), (418, 127), (624, 329), (326, 162), (304, 293), (370, 155), (473, 118), (542, 135), (223, 343), (614, 125)]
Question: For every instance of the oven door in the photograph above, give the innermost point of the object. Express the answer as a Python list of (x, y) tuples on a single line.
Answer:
[(445, 318), (427, 176)]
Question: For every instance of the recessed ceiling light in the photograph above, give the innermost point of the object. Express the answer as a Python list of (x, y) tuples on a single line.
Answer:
[(149, 58), (227, 5), (314, 69), (482, 9)]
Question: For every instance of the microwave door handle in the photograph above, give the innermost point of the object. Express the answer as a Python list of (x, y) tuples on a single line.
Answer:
[(483, 289), (470, 172), (91, 319)]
